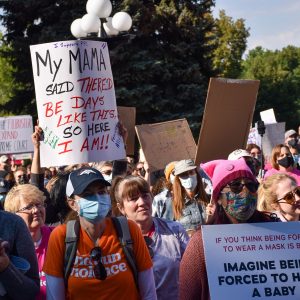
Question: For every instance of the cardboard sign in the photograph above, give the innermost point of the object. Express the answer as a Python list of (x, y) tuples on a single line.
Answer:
[(15, 134), (227, 118), (76, 102), (166, 142), (273, 136), (127, 117), (253, 261)]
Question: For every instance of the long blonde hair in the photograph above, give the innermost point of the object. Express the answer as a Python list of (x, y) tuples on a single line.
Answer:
[(267, 191)]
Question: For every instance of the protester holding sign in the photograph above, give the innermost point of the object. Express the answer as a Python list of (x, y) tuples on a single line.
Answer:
[(282, 162), (280, 194), (234, 201), (190, 199), (100, 269), (166, 239)]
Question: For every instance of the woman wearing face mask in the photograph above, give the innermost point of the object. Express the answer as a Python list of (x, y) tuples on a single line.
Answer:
[(233, 201), (282, 162), (106, 168), (189, 198), (280, 194), (162, 205), (106, 275)]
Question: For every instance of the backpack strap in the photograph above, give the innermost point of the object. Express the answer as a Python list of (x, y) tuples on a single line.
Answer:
[(122, 228), (72, 236)]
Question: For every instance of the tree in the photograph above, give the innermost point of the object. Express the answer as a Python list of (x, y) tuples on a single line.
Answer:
[(231, 40), (279, 75), (163, 71)]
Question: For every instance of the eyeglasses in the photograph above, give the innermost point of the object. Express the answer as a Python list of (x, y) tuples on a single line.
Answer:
[(99, 269), (237, 186), (31, 206), (149, 243), (289, 197)]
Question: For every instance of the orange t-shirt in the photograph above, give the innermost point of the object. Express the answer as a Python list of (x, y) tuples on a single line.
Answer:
[(82, 284)]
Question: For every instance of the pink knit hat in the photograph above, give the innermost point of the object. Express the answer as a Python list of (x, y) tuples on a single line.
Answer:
[(221, 172)]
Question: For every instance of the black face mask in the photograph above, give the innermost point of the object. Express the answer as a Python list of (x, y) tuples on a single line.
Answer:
[(286, 161)]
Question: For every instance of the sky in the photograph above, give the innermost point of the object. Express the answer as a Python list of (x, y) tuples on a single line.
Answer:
[(274, 24)]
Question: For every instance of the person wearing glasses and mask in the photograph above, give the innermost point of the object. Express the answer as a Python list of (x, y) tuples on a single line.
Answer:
[(280, 194), (282, 162), (100, 269), (234, 200), (27, 201), (166, 240), (189, 197)]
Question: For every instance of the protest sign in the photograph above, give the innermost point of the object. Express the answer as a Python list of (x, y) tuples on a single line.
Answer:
[(273, 136), (15, 134), (268, 116), (254, 137), (166, 142), (76, 102), (227, 118), (127, 117), (253, 261)]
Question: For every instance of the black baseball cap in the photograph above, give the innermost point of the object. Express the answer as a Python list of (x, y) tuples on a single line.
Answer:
[(81, 178)]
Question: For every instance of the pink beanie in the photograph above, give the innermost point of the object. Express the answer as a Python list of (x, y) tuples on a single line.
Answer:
[(221, 172)]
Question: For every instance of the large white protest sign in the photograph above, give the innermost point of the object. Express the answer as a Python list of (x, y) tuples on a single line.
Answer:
[(15, 134), (76, 102), (253, 261)]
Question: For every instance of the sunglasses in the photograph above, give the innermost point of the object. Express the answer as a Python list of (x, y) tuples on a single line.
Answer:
[(289, 197), (99, 269), (237, 186), (149, 243)]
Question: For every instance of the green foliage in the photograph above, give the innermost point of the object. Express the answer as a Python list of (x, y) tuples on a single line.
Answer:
[(231, 40), (163, 71), (279, 75)]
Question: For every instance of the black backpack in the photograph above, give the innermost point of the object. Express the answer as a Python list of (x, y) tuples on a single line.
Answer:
[(72, 236)]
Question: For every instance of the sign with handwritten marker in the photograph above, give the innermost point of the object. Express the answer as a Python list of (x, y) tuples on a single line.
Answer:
[(15, 134), (76, 103), (253, 261)]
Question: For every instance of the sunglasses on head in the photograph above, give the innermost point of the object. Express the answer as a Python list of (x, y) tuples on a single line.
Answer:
[(289, 197), (149, 243), (99, 269), (237, 186)]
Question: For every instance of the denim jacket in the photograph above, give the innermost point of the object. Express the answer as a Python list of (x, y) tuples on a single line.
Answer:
[(193, 214)]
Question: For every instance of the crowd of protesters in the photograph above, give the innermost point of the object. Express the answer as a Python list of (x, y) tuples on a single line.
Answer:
[(64, 222)]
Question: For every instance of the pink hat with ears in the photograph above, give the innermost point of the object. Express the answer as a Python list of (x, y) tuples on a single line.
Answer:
[(221, 172)]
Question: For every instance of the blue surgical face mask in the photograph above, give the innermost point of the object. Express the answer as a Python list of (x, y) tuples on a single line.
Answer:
[(94, 207)]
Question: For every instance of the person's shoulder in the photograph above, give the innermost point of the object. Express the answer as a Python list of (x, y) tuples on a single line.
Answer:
[(59, 230), (162, 195), (10, 218), (170, 225)]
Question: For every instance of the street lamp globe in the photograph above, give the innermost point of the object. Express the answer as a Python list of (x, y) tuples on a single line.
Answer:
[(76, 29), (122, 21)]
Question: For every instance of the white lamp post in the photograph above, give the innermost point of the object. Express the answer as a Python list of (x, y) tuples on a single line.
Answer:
[(98, 20)]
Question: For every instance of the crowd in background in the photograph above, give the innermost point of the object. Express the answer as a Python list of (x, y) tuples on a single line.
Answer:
[(163, 214)]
